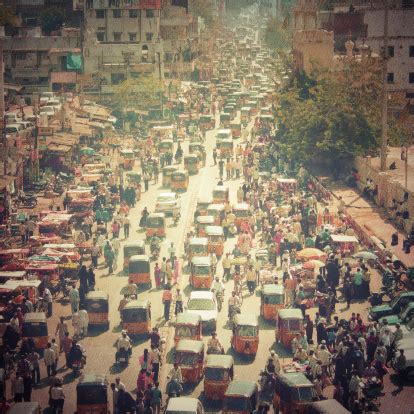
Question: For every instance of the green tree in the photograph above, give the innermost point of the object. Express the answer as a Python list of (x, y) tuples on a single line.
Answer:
[(276, 37), (52, 18), (140, 93)]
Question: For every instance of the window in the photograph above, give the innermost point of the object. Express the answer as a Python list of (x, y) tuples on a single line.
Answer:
[(117, 13), (149, 36), (149, 13), (20, 55), (390, 77), (132, 37), (100, 36), (117, 78), (411, 77), (411, 109), (390, 51), (133, 14), (117, 36), (409, 95), (411, 51), (100, 14)]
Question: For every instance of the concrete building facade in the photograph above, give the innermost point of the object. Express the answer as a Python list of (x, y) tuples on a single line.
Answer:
[(122, 39)]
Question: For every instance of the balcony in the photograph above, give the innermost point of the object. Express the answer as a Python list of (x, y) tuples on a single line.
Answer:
[(123, 4)]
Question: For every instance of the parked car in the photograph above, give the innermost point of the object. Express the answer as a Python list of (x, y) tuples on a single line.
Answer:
[(403, 317), (203, 303), (26, 124), (13, 128), (47, 110), (12, 118), (393, 308), (168, 203), (55, 103), (45, 97)]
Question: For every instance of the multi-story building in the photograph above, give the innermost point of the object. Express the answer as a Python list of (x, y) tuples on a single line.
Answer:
[(122, 39), (39, 62)]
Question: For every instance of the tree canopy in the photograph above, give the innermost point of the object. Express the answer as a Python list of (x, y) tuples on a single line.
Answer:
[(276, 36)]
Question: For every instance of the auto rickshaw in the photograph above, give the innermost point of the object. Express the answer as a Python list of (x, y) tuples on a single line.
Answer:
[(201, 272), (242, 213), (198, 246), (25, 408), (271, 300), (218, 211), (155, 225), (191, 163), (35, 327), (207, 122), (97, 306), (166, 146), (139, 270), (128, 159), (166, 175), (179, 181), (189, 355), (240, 398), (236, 129), (223, 134), (132, 249), (225, 147), (194, 147), (202, 204), (202, 222), (92, 394), (188, 326), (245, 338), (289, 323), (215, 235), (293, 393), (136, 317), (327, 407), (225, 120), (220, 194), (218, 373)]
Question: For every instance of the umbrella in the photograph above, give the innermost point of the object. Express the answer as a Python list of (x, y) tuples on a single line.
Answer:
[(87, 151), (366, 255), (311, 253), (313, 264)]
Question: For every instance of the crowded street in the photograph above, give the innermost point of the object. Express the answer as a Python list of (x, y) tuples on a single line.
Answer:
[(186, 266)]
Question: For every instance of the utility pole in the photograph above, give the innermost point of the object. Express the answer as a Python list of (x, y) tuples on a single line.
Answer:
[(384, 135), (3, 144)]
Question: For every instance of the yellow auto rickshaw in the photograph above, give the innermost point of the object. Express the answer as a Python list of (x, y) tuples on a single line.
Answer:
[(271, 300), (220, 194), (225, 120), (289, 323), (35, 328), (128, 159), (245, 338), (165, 146), (92, 394), (225, 147), (136, 317), (236, 129), (207, 122), (155, 225), (218, 211), (191, 163), (97, 306), (132, 249), (294, 393), (139, 270), (215, 236), (242, 213), (197, 246), (218, 373), (202, 222), (202, 204), (188, 326), (179, 181), (166, 175), (189, 355), (201, 272), (241, 397)]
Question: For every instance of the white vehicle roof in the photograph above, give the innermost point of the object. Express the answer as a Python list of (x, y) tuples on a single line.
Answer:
[(201, 294), (182, 405)]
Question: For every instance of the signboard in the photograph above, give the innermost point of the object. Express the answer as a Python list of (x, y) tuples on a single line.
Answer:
[(45, 131), (41, 143)]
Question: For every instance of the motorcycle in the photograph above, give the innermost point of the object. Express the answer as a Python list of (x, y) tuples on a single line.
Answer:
[(41, 305), (214, 350), (123, 356), (155, 249), (174, 389)]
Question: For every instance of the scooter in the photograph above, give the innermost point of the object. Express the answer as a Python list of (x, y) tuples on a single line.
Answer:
[(123, 357)]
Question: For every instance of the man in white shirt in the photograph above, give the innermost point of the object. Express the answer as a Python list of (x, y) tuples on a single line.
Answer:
[(123, 344), (49, 358)]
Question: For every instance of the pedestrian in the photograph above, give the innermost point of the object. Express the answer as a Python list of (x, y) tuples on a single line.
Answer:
[(156, 398), (57, 397), (115, 392), (157, 276), (55, 348), (155, 358), (178, 302), (33, 359), (110, 259), (347, 289), (83, 322), (47, 296), (251, 279), (127, 224), (49, 358), (91, 278), (166, 300), (95, 253), (163, 270), (215, 156), (74, 298), (76, 324), (17, 388)]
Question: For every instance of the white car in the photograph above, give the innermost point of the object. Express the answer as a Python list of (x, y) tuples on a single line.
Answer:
[(13, 128), (168, 203), (203, 303), (47, 110), (55, 103), (12, 118), (45, 97), (184, 405)]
